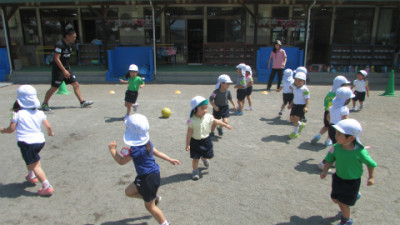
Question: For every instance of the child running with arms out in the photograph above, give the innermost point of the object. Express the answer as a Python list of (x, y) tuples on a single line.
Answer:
[(198, 140), (361, 88), (286, 85), (142, 153), (349, 155), (27, 121), (219, 101), (299, 106), (135, 82)]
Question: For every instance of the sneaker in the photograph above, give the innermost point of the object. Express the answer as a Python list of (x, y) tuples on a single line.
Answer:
[(206, 162), (85, 104), (280, 113), (358, 195), (354, 109), (135, 106), (239, 113), (315, 139), (293, 135), (46, 191), (212, 135), (344, 222), (45, 107), (32, 180), (158, 200), (220, 132), (361, 106), (321, 165), (126, 117), (195, 174), (302, 126), (250, 108), (328, 142)]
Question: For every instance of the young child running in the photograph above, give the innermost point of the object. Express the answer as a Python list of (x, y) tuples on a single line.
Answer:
[(135, 82), (304, 70), (299, 106), (286, 85), (142, 153), (349, 155), (361, 88), (27, 121), (198, 140), (219, 101), (249, 84), (241, 87), (338, 82), (337, 112)]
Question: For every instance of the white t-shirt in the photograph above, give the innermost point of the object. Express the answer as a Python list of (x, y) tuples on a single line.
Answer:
[(286, 86), (360, 85), (29, 125), (300, 94), (336, 113)]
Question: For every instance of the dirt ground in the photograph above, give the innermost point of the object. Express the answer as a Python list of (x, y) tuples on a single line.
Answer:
[(258, 175)]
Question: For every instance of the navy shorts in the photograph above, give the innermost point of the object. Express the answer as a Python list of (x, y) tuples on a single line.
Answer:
[(223, 112), (287, 98), (345, 191), (359, 96), (298, 110), (326, 122), (249, 90), (201, 148), (241, 94), (131, 96), (58, 77), (147, 185), (30, 152)]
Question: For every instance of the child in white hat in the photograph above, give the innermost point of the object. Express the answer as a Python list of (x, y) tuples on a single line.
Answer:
[(135, 82), (249, 85), (349, 155), (299, 106), (286, 84), (338, 82), (241, 87), (361, 88), (219, 101), (142, 153), (27, 121), (198, 140)]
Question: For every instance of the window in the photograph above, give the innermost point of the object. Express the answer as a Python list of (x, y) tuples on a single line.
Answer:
[(55, 22), (353, 25), (225, 24), (29, 26), (387, 26), (93, 27)]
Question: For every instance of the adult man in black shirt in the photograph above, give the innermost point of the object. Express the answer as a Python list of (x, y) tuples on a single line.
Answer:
[(61, 70)]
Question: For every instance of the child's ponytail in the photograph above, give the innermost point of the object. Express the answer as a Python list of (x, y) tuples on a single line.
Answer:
[(149, 149), (16, 107)]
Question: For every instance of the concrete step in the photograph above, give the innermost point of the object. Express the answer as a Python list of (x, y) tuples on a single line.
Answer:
[(94, 77)]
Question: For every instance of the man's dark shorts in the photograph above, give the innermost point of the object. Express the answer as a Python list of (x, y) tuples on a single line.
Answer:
[(58, 78)]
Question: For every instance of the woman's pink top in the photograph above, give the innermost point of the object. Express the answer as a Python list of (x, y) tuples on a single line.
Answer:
[(278, 58)]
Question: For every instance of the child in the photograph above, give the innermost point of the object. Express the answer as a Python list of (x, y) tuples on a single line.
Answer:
[(349, 155), (337, 112), (299, 106), (278, 55), (249, 84), (241, 87), (142, 154), (361, 87), (219, 101), (287, 83), (198, 141), (27, 121), (304, 70), (338, 82), (131, 95)]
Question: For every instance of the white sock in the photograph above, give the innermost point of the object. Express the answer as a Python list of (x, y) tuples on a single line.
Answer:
[(45, 184), (31, 174), (296, 130), (300, 123), (165, 223)]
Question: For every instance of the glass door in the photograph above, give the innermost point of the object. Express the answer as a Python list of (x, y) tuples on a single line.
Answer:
[(178, 39), (195, 40)]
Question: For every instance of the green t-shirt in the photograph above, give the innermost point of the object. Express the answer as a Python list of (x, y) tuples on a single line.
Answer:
[(328, 100), (349, 163), (134, 83)]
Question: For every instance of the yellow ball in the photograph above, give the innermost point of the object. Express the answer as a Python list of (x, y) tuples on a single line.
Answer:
[(166, 112)]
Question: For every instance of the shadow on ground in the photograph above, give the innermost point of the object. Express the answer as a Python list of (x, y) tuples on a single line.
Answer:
[(313, 220)]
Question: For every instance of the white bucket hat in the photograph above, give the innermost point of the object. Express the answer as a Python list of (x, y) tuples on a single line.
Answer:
[(242, 67), (301, 76), (196, 102), (133, 67), (338, 82), (248, 69), (363, 72), (288, 75), (350, 127), (223, 79), (301, 69), (342, 94), (137, 130), (27, 97)]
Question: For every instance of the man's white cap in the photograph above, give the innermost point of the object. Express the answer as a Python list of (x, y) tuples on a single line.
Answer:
[(338, 82), (27, 97), (137, 130), (301, 76), (223, 79), (133, 67), (363, 72), (342, 94), (350, 127), (301, 69), (288, 75)]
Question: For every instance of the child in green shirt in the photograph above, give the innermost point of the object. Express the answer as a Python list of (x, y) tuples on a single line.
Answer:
[(135, 82)]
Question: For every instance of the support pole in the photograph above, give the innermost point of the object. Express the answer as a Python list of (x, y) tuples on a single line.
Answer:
[(5, 25), (154, 41), (308, 33)]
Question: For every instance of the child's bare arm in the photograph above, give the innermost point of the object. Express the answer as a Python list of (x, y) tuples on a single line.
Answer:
[(371, 177), (123, 81), (279, 89), (188, 137), (325, 170), (48, 127), (221, 123), (9, 129), (233, 103), (141, 86), (162, 155), (367, 88), (307, 104), (119, 159), (215, 107)]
